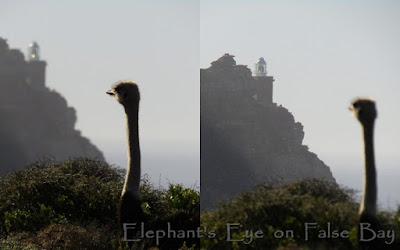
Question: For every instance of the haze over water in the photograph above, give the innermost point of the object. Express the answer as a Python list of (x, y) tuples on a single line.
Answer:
[(349, 175)]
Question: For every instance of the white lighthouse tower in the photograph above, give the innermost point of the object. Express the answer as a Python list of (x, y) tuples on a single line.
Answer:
[(36, 67), (260, 67), (33, 52)]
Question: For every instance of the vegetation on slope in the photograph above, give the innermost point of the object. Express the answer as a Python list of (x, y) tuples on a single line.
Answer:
[(281, 214), (73, 205)]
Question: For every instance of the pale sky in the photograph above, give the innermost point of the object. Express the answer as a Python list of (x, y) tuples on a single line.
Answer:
[(89, 46), (321, 54)]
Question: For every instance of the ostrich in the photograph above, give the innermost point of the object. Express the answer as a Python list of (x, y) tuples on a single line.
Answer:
[(364, 110), (130, 211)]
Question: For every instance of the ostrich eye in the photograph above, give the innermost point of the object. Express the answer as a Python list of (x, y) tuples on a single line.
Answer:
[(356, 104)]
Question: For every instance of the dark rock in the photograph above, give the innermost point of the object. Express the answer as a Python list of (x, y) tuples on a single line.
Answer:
[(246, 139), (36, 122)]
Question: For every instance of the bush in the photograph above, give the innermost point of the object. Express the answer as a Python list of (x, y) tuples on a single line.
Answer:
[(281, 213), (184, 199), (73, 205)]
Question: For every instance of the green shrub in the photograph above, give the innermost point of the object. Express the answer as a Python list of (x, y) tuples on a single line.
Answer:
[(73, 205), (281, 213), (185, 199)]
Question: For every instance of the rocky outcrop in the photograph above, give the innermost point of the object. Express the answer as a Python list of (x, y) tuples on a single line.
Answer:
[(246, 139), (36, 122)]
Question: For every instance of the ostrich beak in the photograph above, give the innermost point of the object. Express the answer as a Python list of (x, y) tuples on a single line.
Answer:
[(110, 92), (353, 110)]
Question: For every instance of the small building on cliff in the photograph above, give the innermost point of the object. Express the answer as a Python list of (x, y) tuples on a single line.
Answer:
[(246, 138)]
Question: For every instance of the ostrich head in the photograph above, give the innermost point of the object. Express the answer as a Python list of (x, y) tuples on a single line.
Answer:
[(364, 110), (125, 92)]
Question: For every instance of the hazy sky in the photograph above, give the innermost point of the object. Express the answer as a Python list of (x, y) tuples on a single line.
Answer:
[(89, 46), (321, 54)]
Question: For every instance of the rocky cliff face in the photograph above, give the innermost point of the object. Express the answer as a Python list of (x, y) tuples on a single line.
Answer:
[(35, 122), (246, 140)]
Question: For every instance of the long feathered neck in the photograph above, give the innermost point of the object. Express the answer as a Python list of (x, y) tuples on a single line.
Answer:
[(368, 202), (132, 179)]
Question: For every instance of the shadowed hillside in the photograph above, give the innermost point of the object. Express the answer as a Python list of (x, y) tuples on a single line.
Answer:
[(35, 121), (246, 138)]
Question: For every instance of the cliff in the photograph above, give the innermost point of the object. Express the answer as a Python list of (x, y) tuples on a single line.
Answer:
[(246, 139), (36, 122)]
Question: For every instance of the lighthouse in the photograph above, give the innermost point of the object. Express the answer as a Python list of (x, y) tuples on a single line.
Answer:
[(263, 83), (36, 67), (33, 52), (260, 67)]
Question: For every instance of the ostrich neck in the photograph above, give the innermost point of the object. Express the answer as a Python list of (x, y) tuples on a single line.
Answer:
[(132, 179), (368, 202)]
